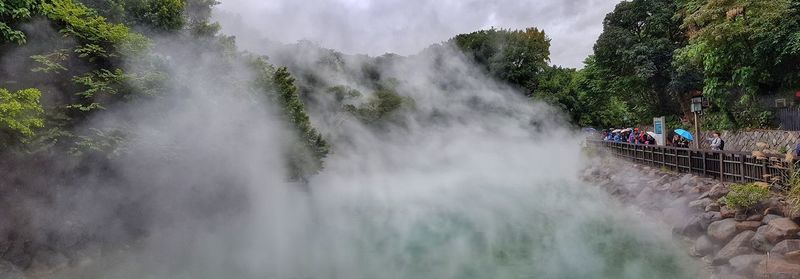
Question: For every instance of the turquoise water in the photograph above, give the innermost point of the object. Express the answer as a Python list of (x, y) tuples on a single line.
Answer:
[(477, 232)]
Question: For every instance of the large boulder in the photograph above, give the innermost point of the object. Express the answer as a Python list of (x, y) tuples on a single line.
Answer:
[(744, 264), (722, 230), (774, 268), (739, 245), (690, 227), (780, 229), (700, 204), (9, 271), (769, 218), (759, 241), (748, 225), (786, 246), (727, 212), (709, 217), (718, 191), (703, 246)]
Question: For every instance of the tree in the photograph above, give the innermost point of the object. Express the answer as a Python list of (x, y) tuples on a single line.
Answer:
[(13, 12), (636, 50), (20, 115), (513, 56), (744, 48)]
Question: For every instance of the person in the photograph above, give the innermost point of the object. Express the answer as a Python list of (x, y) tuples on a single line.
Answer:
[(797, 150), (716, 142)]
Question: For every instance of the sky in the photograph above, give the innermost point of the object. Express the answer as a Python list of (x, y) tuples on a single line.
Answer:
[(407, 26)]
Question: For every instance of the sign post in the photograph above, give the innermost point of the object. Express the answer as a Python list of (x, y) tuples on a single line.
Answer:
[(658, 129), (697, 107)]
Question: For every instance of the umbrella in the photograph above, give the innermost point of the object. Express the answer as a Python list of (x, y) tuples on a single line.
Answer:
[(685, 134), (626, 130), (616, 131), (652, 134)]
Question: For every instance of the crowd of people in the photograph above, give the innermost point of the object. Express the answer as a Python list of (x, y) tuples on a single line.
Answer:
[(641, 136), (629, 135)]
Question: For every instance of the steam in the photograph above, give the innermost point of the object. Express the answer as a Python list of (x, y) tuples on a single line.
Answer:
[(472, 182)]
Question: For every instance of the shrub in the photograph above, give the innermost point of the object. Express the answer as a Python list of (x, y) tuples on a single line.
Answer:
[(746, 196)]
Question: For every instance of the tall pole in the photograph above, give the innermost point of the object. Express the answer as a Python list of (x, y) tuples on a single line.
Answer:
[(696, 132)]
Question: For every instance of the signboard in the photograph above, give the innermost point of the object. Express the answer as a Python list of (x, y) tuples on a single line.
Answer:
[(658, 129)]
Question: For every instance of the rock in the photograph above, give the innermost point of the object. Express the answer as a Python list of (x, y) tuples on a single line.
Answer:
[(700, 204), (663, 187), (793, 256), (690, 227), (727, 212), (762, 145), (780, 229), (9, 271), (679, 203), (773, 268), (723, 230), (739, 245), (786, 246), (718, 191), (748, 225), (709, 217), (759, 242), (755, 217), (645, 195), (769, 217), (744, 264), (703, 246), (712, 207)]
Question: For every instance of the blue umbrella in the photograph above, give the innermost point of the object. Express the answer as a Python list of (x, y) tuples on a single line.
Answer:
[(685, 134)]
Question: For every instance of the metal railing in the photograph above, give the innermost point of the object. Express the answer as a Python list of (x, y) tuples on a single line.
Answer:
[(727, 166)]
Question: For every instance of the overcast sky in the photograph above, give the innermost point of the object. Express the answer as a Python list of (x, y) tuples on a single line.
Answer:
[(405, 27)]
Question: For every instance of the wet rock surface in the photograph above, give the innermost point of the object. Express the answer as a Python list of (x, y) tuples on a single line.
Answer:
[(734, 243)]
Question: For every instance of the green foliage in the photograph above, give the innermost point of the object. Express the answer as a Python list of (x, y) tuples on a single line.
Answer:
[(744, 48), (108, 143), (52, 62), (20, 115), (13, 12), (635, 52), (379, 107), (746, 196), (599, 106), (514, 56), (305, 157)]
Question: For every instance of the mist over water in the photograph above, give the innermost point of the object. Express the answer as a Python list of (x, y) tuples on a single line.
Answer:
[(473, 181)]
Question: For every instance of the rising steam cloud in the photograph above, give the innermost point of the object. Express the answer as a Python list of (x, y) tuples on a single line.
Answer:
[(472, 182)]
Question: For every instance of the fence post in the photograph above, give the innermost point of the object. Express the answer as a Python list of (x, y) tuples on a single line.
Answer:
[(741, 168), (721, 166), (704, 163)]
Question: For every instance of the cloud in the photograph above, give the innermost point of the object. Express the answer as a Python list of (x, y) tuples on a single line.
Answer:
[(407, 26)]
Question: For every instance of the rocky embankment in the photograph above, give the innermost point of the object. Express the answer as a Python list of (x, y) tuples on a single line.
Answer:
[(760, 243)]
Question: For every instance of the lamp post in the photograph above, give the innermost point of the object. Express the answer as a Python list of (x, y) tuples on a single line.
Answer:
[(697, 107)]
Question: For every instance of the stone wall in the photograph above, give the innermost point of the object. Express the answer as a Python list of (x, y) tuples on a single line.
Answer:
[(746, 141)]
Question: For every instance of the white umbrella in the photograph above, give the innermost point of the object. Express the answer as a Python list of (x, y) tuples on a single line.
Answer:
[(616, 131)]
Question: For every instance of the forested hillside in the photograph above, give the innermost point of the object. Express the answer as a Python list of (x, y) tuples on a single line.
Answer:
[(654, 54), (66, 61)]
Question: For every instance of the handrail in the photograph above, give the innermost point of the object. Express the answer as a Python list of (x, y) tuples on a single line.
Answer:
[(733, 166)]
